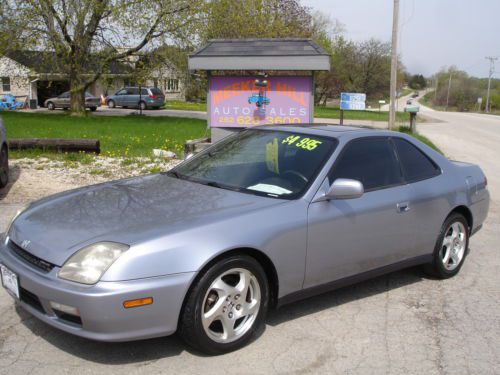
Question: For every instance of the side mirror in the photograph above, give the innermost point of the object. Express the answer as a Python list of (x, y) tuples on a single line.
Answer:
[(343, 188)]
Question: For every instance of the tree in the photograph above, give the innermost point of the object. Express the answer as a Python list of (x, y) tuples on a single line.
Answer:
[(417, 82), (232, 19), (85, 35)]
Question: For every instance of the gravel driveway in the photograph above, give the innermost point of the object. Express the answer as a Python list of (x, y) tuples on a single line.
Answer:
[(399, 323)]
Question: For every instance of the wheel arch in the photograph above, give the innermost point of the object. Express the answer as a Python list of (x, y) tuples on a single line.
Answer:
[(266, 263), (465, 212)]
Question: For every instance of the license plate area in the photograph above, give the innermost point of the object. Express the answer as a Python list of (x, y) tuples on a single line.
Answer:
[(10, 281)]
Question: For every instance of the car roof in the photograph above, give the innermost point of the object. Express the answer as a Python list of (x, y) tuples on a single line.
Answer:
[(328, 130)]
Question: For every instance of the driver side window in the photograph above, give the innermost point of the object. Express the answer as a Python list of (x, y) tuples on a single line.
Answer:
[(369, 160)]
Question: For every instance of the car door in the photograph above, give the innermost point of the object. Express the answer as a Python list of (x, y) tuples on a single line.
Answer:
[(132, 97), (119, 96), (352, 236), (429, 191), (63, 100)]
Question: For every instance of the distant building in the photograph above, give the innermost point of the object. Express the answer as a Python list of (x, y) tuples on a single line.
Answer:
[(34, 75)]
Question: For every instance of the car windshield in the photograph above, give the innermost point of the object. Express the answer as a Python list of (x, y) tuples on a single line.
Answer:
[(278, 164)]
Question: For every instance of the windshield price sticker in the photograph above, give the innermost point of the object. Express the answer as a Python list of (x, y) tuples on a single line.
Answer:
[(304, 143)]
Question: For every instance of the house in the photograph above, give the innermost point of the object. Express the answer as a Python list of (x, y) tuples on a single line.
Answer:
[(34, 75)]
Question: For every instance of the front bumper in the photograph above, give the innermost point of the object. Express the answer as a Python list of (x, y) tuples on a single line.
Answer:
[(102, 315)]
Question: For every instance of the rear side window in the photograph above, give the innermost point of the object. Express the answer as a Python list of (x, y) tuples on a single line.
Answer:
[(416, 165), (144, 92), (133, 91), (371, 161)]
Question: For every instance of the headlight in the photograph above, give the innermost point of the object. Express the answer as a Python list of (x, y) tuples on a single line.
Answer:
[(18, 212), (89, 264)]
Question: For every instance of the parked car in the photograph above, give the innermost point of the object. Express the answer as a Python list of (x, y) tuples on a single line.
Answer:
[(4, 157), (262, 218), (409, 102), (147, 97), (63, 101), (415, 94)]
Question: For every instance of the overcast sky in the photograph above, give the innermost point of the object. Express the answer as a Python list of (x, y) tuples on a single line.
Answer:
[(433, 33)]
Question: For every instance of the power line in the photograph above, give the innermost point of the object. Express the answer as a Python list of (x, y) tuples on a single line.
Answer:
[(492, 70)]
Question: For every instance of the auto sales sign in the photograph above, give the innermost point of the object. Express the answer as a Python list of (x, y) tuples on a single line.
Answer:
[(241, 102)]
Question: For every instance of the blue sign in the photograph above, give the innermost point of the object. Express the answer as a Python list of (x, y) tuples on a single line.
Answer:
[(352, 101)]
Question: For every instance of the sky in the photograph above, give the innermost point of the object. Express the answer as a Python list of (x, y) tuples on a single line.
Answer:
[(433, 33)]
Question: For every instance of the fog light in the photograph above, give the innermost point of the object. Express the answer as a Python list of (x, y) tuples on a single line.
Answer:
[(138, 302), (64, 308)]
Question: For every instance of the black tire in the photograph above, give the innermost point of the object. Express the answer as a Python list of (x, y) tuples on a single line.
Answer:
[(437, 268), (143, 106), (4, 166), (51, 106), (190, 325), (93, 109), (111, 104)]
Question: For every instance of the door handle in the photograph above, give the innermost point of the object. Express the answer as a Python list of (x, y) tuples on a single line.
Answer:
[(403, 207)]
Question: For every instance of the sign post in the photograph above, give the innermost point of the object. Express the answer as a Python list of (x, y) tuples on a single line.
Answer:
[(352, 102)]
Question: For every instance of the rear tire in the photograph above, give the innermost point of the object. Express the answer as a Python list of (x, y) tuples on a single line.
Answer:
[(226, 307), (451, 248), (4, 166), (93, 109), (143, 106)]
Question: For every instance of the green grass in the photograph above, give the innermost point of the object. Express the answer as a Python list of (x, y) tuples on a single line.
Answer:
[(319, 111), (185, 106), (334, 113), (119, 136), (421, 138)]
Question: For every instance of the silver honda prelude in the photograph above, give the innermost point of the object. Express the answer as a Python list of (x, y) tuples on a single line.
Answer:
[(264, 217)]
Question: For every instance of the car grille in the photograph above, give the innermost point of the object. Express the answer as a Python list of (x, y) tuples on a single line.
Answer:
[(40, 264)]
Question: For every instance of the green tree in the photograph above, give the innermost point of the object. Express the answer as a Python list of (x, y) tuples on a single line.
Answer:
[(417, 82), (85, 35)]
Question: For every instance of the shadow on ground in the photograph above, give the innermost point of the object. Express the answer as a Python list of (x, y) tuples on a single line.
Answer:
[(155, 349)]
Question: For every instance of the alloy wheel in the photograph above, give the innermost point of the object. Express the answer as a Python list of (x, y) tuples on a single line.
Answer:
[(231, 305), (453, 246)]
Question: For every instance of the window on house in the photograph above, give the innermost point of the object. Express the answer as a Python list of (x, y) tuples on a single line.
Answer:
[(5, 84), (171, 85)]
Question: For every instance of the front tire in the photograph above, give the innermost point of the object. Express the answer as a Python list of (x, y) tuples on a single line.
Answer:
[(111, 104), (226, 306), (4, 167), (51, 106), (451, 247)]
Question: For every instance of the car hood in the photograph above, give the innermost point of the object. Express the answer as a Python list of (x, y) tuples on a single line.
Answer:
[(128, 211)]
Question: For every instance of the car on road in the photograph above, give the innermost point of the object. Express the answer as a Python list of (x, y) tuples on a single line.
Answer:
[(4, 157), (135, 97), (409, 102), (63, 101), (262, 218), (415, 94)]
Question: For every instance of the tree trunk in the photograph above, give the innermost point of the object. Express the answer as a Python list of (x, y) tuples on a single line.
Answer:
[(77, 96)]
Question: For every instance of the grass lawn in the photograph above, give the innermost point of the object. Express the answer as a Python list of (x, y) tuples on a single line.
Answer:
[(185, 106), (334, 113), (119, 136), (319, 111), (421, 138)]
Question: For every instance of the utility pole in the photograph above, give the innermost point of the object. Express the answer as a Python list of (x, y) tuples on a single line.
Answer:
[(436, 88), (492, 69), (448, 93), (394, 64)]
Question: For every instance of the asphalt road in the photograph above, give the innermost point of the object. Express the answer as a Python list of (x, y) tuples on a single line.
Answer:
[(399, 323)]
